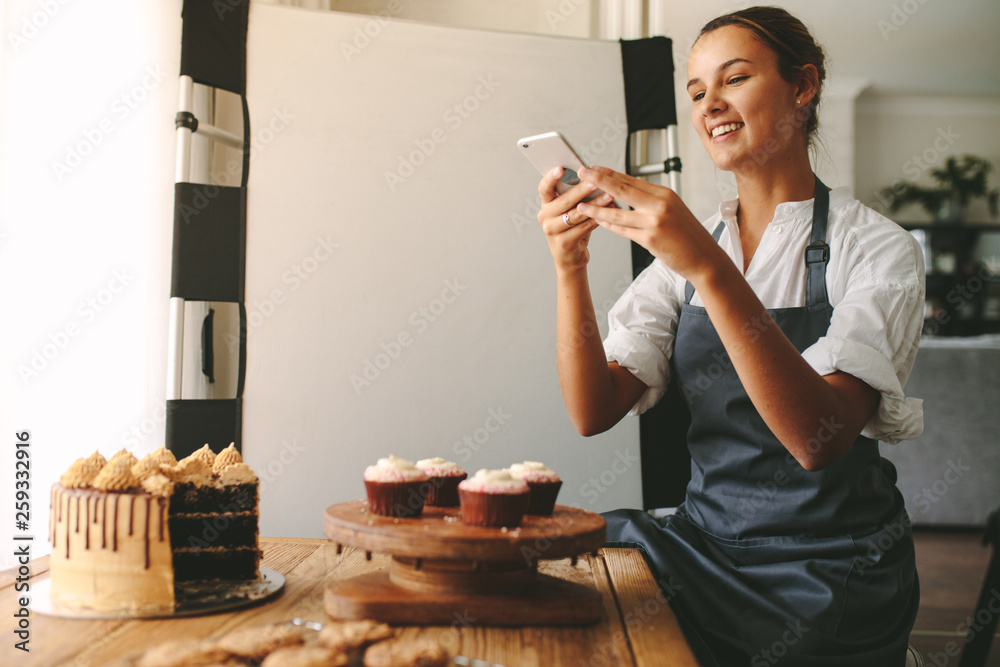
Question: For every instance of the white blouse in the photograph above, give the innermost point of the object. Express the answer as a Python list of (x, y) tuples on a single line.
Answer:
[(875, 283)]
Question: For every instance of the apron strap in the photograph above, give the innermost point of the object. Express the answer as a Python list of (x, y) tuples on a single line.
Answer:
[(818, 252), (688, 287)]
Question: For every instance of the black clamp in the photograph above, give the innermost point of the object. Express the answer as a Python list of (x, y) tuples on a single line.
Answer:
[(671, 164), (819, 247), (185, 119)]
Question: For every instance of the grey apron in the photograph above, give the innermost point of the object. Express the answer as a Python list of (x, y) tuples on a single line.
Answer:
[(766, 563)]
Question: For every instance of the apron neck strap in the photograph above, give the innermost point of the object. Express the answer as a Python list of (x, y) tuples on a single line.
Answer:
[(818, 252)]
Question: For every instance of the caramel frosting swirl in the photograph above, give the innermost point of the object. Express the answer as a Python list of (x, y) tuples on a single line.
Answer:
[(146, 468), (124, 455), (116, 476), (158, 485), (205, 454), (97, 461), (190, 470), (163, 455), (236, 473), (80, 474), (226, 457)]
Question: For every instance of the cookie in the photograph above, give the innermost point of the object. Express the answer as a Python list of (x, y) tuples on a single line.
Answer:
[(406, 653), (259, 641), (305, 656), (352, 635), (183, 653)]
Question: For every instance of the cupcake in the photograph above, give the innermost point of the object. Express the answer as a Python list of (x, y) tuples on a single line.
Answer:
[(543, 482), (493, 498), (395, 487), (444, 478)]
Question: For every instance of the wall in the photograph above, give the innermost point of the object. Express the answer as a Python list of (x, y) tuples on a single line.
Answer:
[(902, 137)]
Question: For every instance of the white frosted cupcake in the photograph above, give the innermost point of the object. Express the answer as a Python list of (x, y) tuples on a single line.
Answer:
[(493, 498), (395, 487), (543, 482), (444, 478)]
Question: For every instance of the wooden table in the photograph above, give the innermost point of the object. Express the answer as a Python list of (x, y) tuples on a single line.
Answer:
[(637, 627)]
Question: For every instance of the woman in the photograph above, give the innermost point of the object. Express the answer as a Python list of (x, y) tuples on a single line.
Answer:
[(790, 320)]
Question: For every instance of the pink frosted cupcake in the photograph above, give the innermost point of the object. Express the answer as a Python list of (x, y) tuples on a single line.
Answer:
[(395, 487), (444, 478), (543, 482), (493, 498)]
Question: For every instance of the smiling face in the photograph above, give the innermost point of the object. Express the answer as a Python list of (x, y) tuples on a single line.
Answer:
[(743, 110)]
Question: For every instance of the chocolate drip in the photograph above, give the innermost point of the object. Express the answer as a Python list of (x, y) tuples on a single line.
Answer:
[(52, 520), (163, 506), (114, 531), (148, 509), (77, 529), (86, 525), (131, 513), (104, 523), (95, 510), (67, 528)]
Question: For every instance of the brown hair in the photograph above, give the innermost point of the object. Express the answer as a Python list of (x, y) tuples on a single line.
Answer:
[(791, 42)]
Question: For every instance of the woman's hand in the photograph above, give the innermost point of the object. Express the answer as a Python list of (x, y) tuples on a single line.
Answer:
[(660, 222), (567, 236)]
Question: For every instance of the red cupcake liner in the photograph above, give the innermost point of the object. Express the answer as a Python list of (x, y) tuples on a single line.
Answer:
[(398, 499), (543, 497), (493, 509), (443, 491)]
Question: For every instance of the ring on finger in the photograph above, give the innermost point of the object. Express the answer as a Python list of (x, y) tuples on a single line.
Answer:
[(566, 219)]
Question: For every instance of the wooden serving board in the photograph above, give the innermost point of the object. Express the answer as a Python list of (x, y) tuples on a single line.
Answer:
[(442, 568)]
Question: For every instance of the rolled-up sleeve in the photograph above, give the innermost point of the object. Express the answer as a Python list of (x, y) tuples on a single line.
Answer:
[(641, 329), (874, 335)]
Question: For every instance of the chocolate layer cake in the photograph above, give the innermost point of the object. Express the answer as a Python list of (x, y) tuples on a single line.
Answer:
[(123, 531)]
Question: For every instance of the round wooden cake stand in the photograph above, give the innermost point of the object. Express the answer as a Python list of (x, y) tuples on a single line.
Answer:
[(443, 570)]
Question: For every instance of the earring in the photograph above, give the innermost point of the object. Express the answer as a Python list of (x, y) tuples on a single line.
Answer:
[(798, 101)]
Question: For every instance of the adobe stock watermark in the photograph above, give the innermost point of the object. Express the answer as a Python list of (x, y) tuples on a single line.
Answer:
[(419, 322), (970, 627), (614, 130), (32, 25), (564, 11), (87, 311), (597, 486), (138, 433), (259, 311), (289, 453), (372, 30), (231, 176), (917, 165), (121, 108), (898, 17), (464, 448), (960, 295), (453, 117), (768, 489), (899, 528), (781, 646)]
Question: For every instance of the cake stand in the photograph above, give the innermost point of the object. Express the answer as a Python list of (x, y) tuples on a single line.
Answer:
[(443, 570)]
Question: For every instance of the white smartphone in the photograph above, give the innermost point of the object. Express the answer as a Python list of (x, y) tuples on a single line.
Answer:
[(550, 150)]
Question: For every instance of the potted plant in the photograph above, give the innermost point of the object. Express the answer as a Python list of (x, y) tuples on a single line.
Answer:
[(958, 181)]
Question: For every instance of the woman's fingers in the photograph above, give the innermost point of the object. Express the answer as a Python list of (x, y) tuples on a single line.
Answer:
[(633, 191), (547, 185)]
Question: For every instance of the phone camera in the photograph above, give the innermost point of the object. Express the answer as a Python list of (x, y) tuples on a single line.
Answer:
[(524, 145)]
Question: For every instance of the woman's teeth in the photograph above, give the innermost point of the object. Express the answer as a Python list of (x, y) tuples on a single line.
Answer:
[(724, 129)]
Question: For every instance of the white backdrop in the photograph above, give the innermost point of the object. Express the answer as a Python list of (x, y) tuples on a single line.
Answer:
[(400, 295)]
